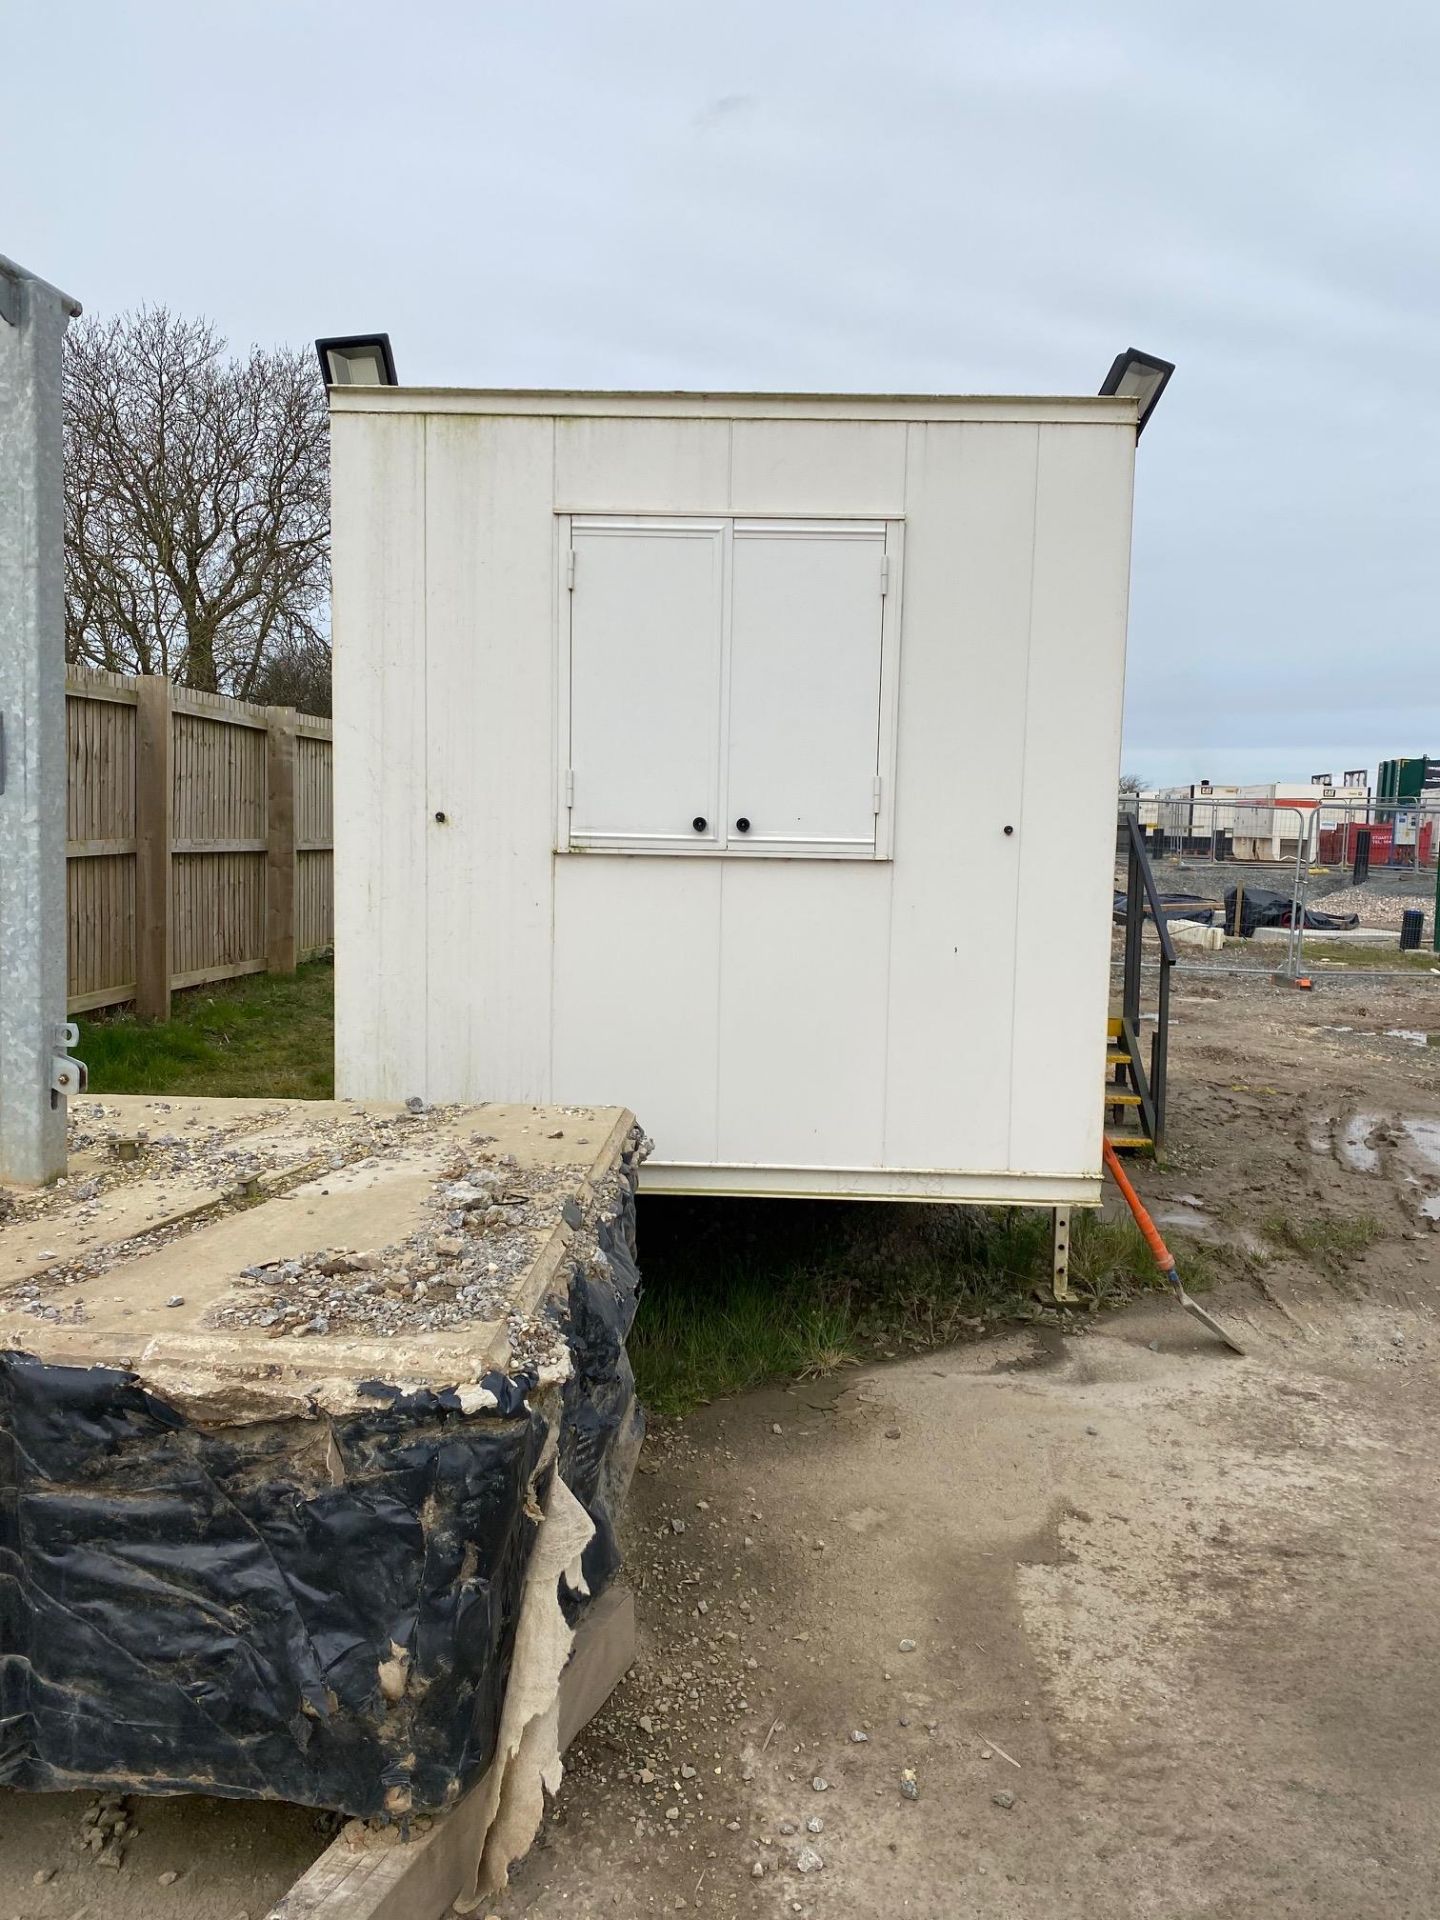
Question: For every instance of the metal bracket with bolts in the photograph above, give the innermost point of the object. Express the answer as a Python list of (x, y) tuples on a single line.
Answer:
[(68, 1076)]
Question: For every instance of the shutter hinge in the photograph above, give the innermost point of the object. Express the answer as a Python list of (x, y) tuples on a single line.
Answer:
[(884, 574), (570, 571), (569, 786), (876, 791)]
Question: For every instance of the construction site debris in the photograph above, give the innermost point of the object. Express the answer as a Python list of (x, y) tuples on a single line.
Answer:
[(296, 1573)]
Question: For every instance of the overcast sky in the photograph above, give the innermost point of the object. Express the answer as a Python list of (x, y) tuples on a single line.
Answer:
[(940, 197)]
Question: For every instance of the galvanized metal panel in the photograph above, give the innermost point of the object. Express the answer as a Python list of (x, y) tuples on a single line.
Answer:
[(33, 319)]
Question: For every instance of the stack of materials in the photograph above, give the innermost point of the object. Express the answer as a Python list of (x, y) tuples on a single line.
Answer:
[(315, 1422)]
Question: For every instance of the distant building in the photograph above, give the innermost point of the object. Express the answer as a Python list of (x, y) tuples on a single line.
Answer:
[(1264, 820), (1283, 814), (1416, 778)]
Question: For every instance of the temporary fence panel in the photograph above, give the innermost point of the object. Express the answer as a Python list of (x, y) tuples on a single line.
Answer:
[(1362, 863), (198, 838)]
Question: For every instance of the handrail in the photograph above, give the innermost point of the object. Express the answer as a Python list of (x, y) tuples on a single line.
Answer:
[(1139, 857), (1141, 880)]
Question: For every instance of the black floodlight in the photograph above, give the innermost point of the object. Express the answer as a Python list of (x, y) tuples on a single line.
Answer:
[(357, 360), (1142, 375)]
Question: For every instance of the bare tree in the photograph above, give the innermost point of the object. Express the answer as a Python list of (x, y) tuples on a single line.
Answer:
[(295, 675), (1131, 783), (197, 505)]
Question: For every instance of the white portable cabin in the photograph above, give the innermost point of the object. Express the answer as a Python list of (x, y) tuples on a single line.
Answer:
[(748, 760)]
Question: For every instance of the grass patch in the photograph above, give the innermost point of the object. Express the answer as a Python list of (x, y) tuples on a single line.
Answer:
[(1327, 1242), (738, 1292), (1110, 1260), (264, 1035), (1376, 959)]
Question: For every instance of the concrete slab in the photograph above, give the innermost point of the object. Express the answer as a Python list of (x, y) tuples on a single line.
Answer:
[(297, 1246), (311, 1414), (1340, 936)]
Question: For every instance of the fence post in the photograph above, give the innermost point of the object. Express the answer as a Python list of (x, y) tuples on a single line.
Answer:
[(153, 817), (33, 319), (281, 866)]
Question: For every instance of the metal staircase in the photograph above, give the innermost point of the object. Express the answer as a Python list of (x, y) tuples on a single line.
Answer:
[(1135, 1089)]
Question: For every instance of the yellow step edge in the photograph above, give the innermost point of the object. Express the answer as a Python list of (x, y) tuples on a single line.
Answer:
[(1113, 1027), (1114, 1099), (1129, 1140), (1117, 1059)]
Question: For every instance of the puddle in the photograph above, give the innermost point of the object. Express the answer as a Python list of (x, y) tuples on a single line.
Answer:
[(1187, 1219), (1417, 1140), (1412, 1036), (1354, 1144), (1424, 1136)]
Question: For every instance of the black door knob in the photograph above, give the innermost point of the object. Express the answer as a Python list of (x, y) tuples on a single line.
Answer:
[(742, 825), (699, 823)]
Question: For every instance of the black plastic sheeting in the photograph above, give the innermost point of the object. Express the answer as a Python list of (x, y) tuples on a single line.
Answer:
[(1174, 906), (187, 1609), (1263, 907)]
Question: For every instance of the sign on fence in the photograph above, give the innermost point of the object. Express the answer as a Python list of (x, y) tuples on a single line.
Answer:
[(198, 839)]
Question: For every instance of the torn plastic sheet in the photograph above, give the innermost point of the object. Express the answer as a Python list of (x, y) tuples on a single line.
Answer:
[(527, 1763), (319, 1610), (1264, 907)]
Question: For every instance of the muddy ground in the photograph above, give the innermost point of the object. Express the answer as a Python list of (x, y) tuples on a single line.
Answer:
[(1196, 1598), (1175, 1615)]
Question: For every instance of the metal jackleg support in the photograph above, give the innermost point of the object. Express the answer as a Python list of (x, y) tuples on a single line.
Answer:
[(1060, 1254)]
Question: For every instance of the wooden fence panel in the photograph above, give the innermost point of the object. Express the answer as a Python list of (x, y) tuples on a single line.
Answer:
[(217, 916), (179, 834), (314, 837), (314, 901), (217, 770), (100, 842), (101, 898)]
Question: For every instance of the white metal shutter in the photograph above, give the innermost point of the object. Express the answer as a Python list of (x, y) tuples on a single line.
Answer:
[(646, 613), (807, 606)]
